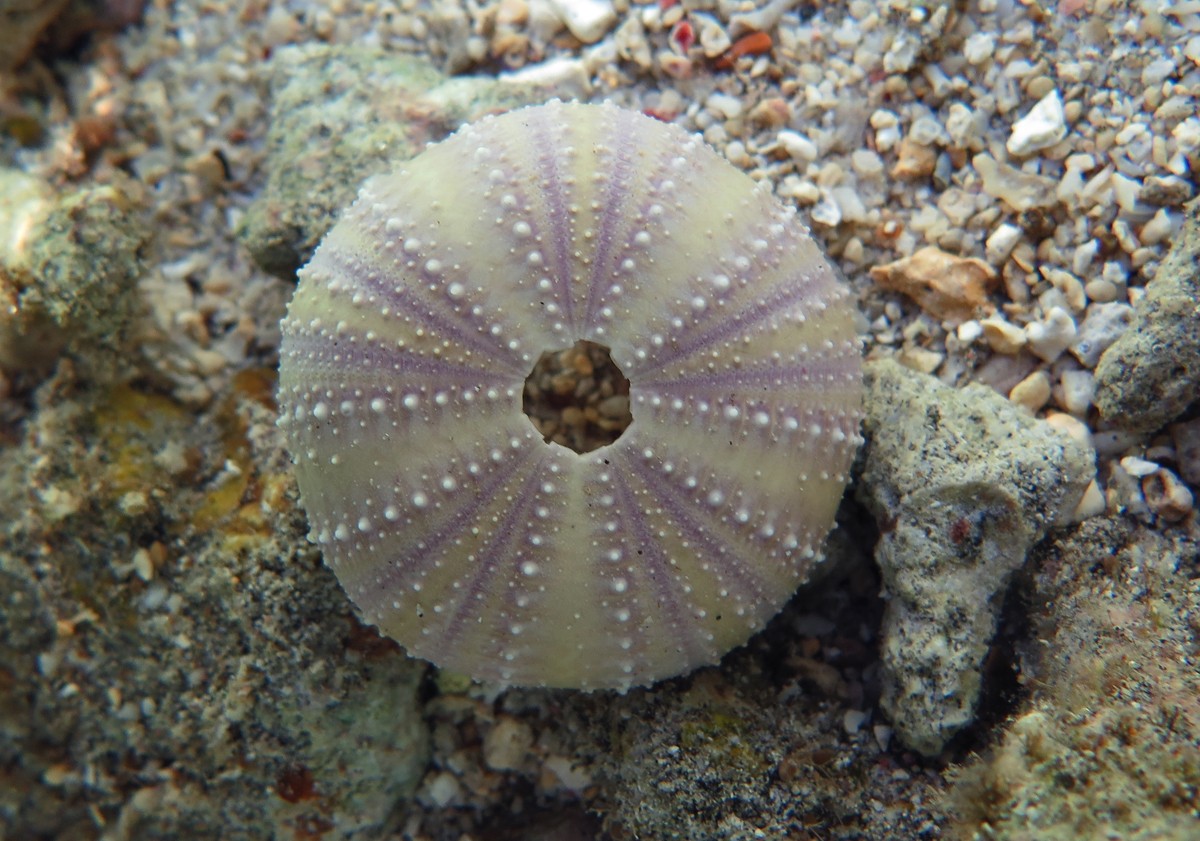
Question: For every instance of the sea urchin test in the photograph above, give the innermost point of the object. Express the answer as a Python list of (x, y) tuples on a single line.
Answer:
[(541, 279)]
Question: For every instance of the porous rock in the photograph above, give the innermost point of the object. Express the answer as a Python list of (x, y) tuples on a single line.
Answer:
[(1151, 374), (962, 484)]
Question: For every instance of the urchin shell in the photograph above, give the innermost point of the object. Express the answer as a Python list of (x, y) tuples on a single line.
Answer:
[(450, 522)]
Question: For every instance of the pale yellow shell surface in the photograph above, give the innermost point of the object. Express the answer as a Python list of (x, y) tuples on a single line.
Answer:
[(451, 524)]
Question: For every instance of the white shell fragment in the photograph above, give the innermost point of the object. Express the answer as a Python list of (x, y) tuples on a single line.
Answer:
[(1042, 127), (449, 520), (587, 20)]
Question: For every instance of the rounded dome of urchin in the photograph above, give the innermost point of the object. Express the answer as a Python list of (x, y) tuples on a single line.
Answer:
[(451, 521)]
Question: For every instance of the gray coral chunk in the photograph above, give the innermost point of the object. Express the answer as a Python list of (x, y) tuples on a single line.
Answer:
[(962, 485), (340, 114), (337, 115), (1150, 375)]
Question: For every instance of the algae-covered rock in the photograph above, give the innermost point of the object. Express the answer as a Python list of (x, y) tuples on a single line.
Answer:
[(182, 664), (69, 269), (84, 262), (1109, 743), (962, 484), (339, 114), (1150, 375)]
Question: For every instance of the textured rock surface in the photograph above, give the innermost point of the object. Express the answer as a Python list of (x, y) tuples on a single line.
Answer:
[(452, 524), (339, 114), (1109, 743), (85, 263), (962, 484), (69, 270), (180, 665), (1151, 374)]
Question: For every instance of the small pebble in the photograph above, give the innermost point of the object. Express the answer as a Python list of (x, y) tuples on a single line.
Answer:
[(443, 789), (1091, 504), (826, 211), (736, 154), (1191, 49), (1101, 291), (883, 736), (978, 47), (948, 287), (1103, 325), (1072, 426), (969, 331), (853, 720), (1166, 496), (567, 773), (134, 503), (773, 112), (1049, 338), (1003, 336), (1032, 393), (1161, 226), (507, 744), (588, 20), (1042, 127), (920, 359), (714, 40), (1126, 238), (1127, 192), (143, 564), (963, 126), (1078, 390), (1138, 467), (1001, 243), (1069, 286), (887, 138), (914, 160), (1018, 189), (1081, 260), (798, 147), (866, 163), (726, 106)]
